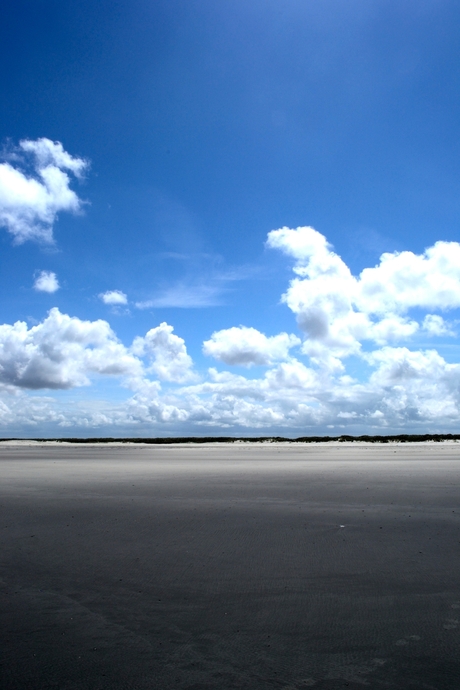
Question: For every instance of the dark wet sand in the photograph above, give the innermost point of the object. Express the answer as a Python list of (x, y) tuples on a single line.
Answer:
[(230, 566)]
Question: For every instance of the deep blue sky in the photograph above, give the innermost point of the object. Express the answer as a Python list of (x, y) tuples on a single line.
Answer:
[(208, 124)]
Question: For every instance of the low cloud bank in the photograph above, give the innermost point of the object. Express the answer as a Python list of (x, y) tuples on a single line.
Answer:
[(355, 364)]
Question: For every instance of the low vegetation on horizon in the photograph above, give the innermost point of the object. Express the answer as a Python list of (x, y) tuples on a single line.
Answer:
[(400, 438)]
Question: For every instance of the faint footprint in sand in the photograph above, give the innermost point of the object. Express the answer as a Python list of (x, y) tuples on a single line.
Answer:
[(298, 684), (379, 662), (405, 640)]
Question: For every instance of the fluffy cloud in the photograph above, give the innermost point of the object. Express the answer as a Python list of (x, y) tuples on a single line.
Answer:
[(393, 387), (47, 152), (37, 188), (167, 354), (46, 281), (415, 386), (322, 298), (435, 325), (64, 351), (114, 297), (61, 352), (247, 346), (338, 311), (403, 280), (406, 391)]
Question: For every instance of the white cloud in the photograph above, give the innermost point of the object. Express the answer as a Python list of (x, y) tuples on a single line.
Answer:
[(47, 152), (415, 385), (392, 328), (406, 388), (394, 388), (46, 281), (61, 352), (322, 298), (30, 202), (400, 281), (435, 325), (338, 311), (403, 280), (114, 297), (312, 252), (292, 376), (248, 346), (167, 353), (407, 391)]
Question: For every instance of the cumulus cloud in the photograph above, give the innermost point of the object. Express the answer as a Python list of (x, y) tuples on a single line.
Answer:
[(306, 390), (403, 280), (114, 297), (36, 188), (61, 352), (399, 364), (338, 311), (248, 346), (322, 298), (167, 353), (435, 325), (46, 281), (415, 386), (407, 391)]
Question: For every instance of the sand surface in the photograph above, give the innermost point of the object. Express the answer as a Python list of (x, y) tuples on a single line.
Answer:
[(250, 566)]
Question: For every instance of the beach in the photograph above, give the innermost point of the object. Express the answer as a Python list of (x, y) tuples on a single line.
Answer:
[(239, 565)]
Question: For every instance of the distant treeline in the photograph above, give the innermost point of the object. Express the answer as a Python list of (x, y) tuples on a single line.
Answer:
[(400, 438)]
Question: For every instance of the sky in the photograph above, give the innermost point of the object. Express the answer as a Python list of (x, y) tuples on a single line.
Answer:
[(229, 218)]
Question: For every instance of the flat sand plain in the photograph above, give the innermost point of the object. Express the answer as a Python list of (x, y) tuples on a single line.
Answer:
[(281, 566)]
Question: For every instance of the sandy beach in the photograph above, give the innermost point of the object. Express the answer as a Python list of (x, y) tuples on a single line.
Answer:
[(250, 566)]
